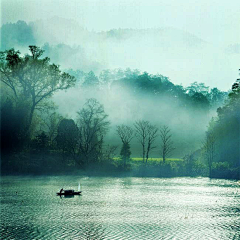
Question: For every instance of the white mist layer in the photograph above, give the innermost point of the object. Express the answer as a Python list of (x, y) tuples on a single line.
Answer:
[(187, 126), (181, 56)]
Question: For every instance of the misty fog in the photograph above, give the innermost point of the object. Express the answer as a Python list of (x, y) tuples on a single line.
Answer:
[(178, 54), (136, 102), (174, 60), (187, 125)]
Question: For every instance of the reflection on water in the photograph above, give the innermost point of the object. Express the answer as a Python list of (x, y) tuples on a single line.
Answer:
[(120, 208)]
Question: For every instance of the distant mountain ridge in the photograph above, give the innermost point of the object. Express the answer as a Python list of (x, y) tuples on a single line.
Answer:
[(64, 27), (180, 55)]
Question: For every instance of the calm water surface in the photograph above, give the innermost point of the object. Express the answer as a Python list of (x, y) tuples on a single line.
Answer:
[(120, 208)]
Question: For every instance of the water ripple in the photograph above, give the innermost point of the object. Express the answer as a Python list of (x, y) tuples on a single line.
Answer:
[(120, 208)]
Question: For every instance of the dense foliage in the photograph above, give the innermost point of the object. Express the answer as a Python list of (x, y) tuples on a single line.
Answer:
[(35, 138), (223, 137)]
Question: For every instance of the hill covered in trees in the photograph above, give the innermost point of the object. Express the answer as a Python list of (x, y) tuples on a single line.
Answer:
[(116, 113), (180, 55)]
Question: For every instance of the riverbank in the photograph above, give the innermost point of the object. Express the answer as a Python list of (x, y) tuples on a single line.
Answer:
[(54, 164)]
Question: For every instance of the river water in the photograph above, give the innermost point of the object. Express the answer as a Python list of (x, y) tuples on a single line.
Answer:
[(120, 208)]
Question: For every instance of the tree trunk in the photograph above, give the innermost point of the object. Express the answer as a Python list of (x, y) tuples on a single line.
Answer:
[(143, 156), (147, 155), (164, 158), (29, 122)]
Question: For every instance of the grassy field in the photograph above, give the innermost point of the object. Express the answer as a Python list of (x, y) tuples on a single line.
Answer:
[(151, 160)]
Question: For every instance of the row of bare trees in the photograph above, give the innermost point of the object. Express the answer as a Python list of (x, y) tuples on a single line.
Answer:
[(84, 139), (146, 134), (30, 81)]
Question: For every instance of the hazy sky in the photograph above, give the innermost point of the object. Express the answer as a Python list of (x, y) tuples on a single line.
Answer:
[(216, 21)]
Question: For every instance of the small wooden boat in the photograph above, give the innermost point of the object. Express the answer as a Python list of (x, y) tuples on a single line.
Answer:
[(68, 193)]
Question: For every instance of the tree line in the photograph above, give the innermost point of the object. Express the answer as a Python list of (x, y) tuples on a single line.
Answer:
[(28, 84), (220, 149), (222, 142), (31, 128)]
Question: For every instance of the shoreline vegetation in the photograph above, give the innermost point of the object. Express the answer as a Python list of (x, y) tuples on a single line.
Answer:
[(173, 167), (37, 139)]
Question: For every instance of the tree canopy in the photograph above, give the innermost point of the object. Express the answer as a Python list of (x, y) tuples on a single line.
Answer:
[(32, 79)]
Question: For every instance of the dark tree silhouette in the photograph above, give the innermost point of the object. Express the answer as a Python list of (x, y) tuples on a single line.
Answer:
[(146, 134), (152, 133), (126, 134), (125, 153), (167, 144), (31, 78), (93, 125), (67, 136), (41, 142), (50, 122), (141, 134), (209, 147)]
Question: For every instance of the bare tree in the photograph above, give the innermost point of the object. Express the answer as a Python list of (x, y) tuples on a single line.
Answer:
[(141, 134), (209, 147), (126, 134), (52, 125), (152, 134), (109, 152), (146, 134), (167, 144), (50, 122), (93, 125)]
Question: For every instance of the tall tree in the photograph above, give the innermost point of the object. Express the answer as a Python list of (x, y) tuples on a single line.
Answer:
[(141, 134), (32, 79), (209, 147), (67, 136), (125, 153), (146, 134), (152, 133), (167, 144), (50, 123), (126, 134), (93, 125)]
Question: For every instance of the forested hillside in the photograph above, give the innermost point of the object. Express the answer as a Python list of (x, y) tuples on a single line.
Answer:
[(177, 54), (37, 138), (85, 99)]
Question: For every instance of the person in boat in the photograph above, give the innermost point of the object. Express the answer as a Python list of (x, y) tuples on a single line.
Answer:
[(61, 190)]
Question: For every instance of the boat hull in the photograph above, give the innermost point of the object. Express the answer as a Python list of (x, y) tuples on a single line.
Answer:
[(68, 194)]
